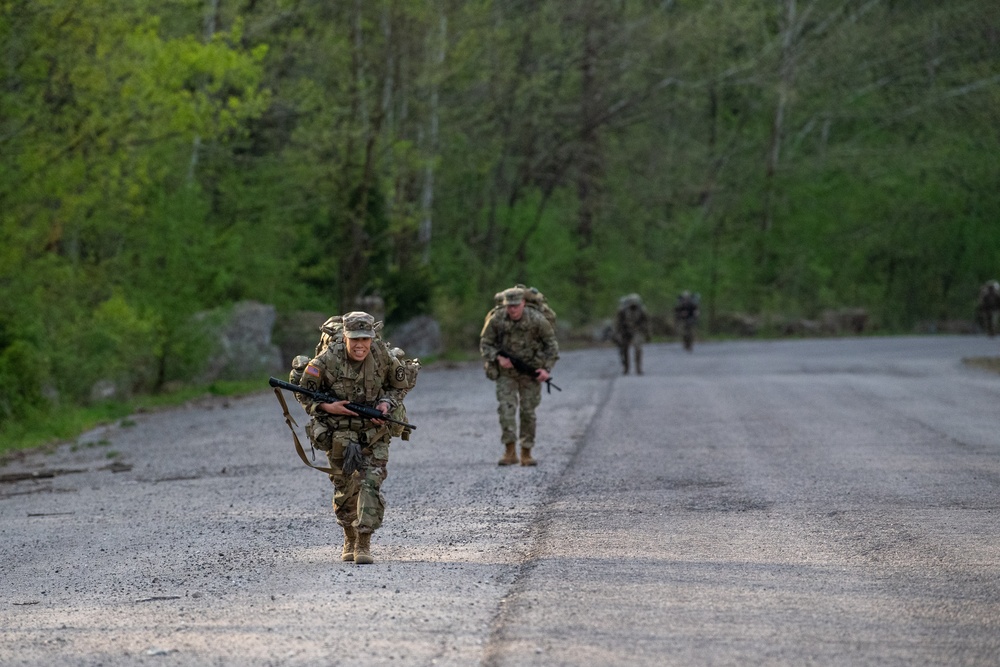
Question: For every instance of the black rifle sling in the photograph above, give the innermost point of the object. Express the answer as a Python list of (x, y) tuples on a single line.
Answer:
[(298, 445)]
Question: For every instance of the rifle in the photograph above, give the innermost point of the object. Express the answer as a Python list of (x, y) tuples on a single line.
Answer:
[(364, 411), (524, 368)]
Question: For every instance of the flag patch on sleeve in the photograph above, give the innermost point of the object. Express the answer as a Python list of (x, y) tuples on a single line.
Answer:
[(312, 370)]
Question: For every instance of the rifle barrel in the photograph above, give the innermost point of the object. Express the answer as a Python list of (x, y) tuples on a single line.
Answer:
[(524, 368), (364, 411)]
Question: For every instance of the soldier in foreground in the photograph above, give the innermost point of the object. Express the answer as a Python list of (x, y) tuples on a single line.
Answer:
[(356, 367), (631, 329), (988, 308), (524, 335)]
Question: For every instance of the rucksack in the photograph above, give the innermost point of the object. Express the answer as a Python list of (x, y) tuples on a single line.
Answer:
[(535, 299), (632, 299), (332, 332), (532, 299)]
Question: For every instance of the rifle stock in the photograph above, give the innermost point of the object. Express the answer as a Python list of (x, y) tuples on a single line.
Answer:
[(364, 411)]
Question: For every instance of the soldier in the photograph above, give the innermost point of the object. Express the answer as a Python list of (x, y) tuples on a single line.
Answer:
[(631, 329), (686, 313), (359, 368), (988, 308), (525, 334)]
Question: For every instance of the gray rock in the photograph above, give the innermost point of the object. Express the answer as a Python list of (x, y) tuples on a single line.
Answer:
[(420, 337), (103, 390), (241, 340)]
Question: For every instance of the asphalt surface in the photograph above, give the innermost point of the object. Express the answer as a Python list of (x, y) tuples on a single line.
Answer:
[(819, 502)]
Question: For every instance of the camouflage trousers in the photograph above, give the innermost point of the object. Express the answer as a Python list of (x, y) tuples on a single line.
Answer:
[(687, 333), (623, 353), (357, 498), (513, 392), (988, 318)]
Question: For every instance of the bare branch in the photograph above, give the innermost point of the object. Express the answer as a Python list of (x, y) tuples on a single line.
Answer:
[(954, 92)]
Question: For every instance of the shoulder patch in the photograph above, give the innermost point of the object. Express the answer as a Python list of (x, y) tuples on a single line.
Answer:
[(312, 370), (400, 374)]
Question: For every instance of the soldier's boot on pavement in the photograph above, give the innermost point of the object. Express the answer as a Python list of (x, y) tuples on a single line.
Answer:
[(350, 537), (509, 457), (363, 549), (625, 363), (526, 459), (638, 362)]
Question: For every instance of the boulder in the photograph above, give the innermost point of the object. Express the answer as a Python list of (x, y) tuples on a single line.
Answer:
[(240, 337), (419, 337), (738, 324), (851, 321), (298, 332)]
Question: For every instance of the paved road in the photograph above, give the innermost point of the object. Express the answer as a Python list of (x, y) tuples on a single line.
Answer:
[(832, 502)]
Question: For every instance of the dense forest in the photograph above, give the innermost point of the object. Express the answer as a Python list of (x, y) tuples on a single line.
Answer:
[(160, 159)]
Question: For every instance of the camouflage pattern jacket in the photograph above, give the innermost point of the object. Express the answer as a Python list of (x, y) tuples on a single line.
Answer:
[(631, 321), (381, 377), (989, 297), (686, 310), (530, 339)]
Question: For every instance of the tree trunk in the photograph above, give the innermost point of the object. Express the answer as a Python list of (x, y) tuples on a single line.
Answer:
[(427, 194), (211, 19), (589, 165), (785, 83), (352, 268)]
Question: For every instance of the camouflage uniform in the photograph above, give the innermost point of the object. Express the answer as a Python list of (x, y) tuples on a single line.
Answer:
[(631, 329), (531, 339), (380, 378), (988, 308), (686, 313)]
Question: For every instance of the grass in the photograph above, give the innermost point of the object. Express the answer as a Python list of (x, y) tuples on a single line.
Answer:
[(985, 363), (56, 426)]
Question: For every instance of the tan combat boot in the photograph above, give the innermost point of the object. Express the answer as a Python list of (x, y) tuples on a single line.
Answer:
[(509, 457), (526, 459), (363, 549), (350, 537)]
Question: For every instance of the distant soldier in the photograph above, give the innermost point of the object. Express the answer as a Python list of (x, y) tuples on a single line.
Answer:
[(988, 308), (686, 313), (525, 334), (631, 329)]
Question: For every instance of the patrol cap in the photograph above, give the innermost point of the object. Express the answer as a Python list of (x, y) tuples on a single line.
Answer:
[(513, 296), (358, 324)]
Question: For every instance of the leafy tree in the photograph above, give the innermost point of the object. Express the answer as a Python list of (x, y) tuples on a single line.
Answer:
[(99, 115)]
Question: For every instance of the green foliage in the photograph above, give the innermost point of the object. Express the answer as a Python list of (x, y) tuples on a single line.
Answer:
[(304, 154), (117, 346), (20, 372), (48, 427), (101, 113)]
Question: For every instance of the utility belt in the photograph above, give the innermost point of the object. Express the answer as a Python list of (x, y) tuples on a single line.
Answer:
[(344, 423), (353, 428), (329, 429)]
